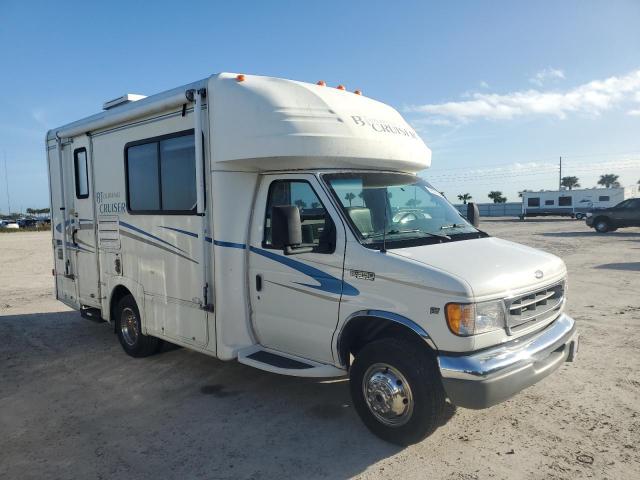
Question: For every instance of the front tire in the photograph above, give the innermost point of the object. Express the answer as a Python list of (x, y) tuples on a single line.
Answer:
[(129, 330), (397, 391), (602, 225)]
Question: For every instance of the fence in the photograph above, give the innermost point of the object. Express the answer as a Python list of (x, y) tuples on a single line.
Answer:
[(511, 209)]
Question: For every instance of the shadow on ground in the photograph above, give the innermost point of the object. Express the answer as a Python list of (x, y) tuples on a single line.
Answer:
[(629, 266), (593, 234), (73, 405)]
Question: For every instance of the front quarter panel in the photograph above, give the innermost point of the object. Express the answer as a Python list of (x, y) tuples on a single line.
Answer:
[(403, 287)]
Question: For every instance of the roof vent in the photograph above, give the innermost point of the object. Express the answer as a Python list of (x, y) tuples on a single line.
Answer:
[(124, 99)]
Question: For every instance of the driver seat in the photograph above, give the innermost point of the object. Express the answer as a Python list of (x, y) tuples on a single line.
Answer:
[(361, 217)]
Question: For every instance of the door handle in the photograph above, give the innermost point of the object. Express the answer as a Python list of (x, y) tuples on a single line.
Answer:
[(258, 283), (73, 236)]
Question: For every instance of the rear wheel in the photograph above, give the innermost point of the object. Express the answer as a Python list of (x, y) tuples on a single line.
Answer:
[(396, 390), (602, 225), (129, 330), (579, 216)]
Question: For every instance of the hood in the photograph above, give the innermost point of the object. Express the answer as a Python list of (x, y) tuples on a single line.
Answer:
[(491, 266)]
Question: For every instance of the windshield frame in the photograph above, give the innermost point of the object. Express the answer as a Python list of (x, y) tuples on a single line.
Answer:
[(391, 242)]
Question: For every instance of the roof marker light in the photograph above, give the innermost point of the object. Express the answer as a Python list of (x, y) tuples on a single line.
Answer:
[(358, 92), (340, 87), (322, 83), (240, 77)]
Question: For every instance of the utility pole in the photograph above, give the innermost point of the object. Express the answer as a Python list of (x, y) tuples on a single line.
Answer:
[(6, 179), (560, 176)]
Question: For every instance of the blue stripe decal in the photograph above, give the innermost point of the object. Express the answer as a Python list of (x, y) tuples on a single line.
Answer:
[(328, 283), (136, 229), (191, 234), (220, 243)]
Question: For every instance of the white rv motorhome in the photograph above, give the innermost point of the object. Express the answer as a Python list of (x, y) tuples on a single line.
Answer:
[(575, 203), (282, 224)]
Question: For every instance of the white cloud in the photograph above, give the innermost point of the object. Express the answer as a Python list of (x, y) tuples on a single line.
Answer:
[(634, 113), (590, 98), (484, 84), (547, 74)]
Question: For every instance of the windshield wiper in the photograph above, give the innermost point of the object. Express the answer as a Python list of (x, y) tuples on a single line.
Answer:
[(453, 225), (395, 232)]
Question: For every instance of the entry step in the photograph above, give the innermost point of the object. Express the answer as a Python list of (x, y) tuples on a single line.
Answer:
[(276, 362)]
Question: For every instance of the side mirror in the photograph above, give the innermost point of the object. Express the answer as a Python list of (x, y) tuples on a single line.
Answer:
[(286, 229), (473, 214)]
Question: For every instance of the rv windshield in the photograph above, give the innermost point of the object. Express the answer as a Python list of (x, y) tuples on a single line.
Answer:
[(402, 208)]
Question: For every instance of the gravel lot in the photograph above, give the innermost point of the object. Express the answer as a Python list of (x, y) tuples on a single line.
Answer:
[(73, 405)]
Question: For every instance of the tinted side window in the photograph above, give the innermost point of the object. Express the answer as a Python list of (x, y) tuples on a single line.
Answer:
[(81, 173), (318, 229), (178, 170), (564, 201), (603, 198), (161, 175), (144, 177), (533, 202)]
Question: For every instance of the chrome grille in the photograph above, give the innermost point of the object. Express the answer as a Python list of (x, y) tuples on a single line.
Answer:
[(533, 307)]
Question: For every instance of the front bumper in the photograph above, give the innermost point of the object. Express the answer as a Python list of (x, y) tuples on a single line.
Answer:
[(488, 377)]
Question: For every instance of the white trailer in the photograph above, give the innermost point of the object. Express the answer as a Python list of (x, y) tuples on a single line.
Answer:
[(574, 203), (282, 224)]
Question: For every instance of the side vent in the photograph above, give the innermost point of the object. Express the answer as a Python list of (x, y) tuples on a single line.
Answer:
[(109, 232)]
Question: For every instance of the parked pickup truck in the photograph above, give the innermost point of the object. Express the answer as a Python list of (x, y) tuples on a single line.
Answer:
[(624, 214), (283, 225)]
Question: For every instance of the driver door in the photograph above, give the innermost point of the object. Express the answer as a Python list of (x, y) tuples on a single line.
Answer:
[(295, 298)]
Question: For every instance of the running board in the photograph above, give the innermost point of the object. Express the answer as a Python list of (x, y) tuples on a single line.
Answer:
[(277, 362)]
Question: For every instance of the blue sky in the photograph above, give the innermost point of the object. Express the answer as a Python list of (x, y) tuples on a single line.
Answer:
[(498, 90)]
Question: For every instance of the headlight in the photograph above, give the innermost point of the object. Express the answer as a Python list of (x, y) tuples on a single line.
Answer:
[(466, 319), (589, 214)]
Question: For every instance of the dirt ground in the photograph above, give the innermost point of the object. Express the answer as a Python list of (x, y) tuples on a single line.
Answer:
[(73, 405)]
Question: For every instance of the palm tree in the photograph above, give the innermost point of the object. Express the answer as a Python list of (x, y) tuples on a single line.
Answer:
[(349, 197), (609, 180), (301, 204), (569, 182), (496, 196), (465, 197)]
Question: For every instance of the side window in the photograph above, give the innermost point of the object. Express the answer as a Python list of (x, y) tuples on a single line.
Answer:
[(533, 202), (564, 201), (548, 202), (603, 198), (161, 174), (81, 172), (318, 229)]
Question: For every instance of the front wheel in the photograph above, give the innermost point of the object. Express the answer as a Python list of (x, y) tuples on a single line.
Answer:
[(397, 391), (129, 330), (602, 225)]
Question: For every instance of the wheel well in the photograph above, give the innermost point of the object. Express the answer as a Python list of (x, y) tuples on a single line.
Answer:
[(118, 294), (366, 329), (601, 217)]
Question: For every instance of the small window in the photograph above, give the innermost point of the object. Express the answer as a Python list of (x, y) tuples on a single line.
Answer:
[(564, 201), (161, 174), (533, 202), (603, 198), (81, 172), (318, 229), (549, 202)]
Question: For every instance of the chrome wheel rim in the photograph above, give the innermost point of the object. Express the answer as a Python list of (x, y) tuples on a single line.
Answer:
[(387, 394), (601, 226), (129, 326)]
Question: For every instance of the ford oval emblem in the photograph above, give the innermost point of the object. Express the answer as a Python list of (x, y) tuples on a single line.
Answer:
[(539, 274)]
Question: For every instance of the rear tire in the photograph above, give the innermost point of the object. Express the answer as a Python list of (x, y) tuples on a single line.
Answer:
[(602, 225), (397, 391), (129, 330)]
